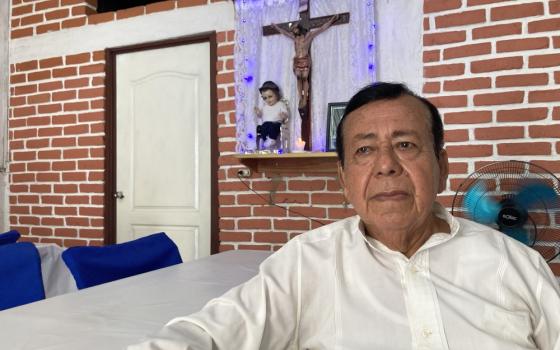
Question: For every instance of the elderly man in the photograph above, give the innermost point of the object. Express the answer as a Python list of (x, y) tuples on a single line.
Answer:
[(402, 274)]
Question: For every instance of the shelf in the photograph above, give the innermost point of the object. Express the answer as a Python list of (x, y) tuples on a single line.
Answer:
[(316, 162)]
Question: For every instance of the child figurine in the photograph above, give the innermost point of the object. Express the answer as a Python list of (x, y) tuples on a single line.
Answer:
[(272, 115)]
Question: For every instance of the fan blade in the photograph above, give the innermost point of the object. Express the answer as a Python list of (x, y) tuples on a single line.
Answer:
[(520, 234), (481, 208), (534, 193)]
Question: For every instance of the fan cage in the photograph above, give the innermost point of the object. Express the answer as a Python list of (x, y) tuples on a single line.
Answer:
[(502, 180)]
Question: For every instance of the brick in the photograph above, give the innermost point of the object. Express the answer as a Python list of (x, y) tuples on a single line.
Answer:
[(544, 96), (42, 75), (82, 11), (50, 86), (467, 50), (496, 31), (130, 12), (541, 61), (522, 80), (22, 10), (39, 98), (50, 132), (431, 56), (49, 27), (225, 50), (18, 78), (444, 70), (431, 88), (49, 108), (74, 176), (92, 69), (235, 236), (24, 111), (496, 64), (50, 62), (307, 212), (546, 25), (45, 5), (426, 23), (38, 121), (50, 154), (64, 72), (269, 211), (524, 148), (64, 95), (74, 23), (467, 84), (441, 5), (64, 119), (469, 151), (544, 131), (78, 58), (442, 38), (101, 18), (57, 14), (188, 3), (271, 237), (21, 33), (449, 101), (289, 224), (237, 211), (76, 200), (244, 224), (499, 133), (160, 6), (461, 19), (306, 185), (469, 117), (30, 20), (483, 2), (327, 198), (499, 98), (91, 93), (516, 11), (522, 44), (26, 89), (76, 106)]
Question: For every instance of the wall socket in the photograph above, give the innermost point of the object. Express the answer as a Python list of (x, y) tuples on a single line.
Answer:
[(244, 172)]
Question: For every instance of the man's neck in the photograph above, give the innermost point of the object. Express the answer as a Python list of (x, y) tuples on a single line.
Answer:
[(409, 241)]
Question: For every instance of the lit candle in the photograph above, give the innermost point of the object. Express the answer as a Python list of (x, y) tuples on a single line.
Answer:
[(300, 144)]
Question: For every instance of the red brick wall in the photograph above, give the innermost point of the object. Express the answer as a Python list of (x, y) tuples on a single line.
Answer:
[(493, 69)]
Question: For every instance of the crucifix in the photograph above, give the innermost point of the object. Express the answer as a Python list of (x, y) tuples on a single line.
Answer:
[(302, 34)]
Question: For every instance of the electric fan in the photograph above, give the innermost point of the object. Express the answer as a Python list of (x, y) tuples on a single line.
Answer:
[(518, 198)]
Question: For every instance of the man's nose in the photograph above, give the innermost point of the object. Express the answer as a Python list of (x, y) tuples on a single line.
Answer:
[(387, 162)]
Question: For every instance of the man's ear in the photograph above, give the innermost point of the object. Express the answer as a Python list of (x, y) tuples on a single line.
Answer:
[(443, 162), (341, 179)]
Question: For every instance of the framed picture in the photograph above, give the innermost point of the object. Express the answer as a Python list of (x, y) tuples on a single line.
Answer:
[(335, 113)]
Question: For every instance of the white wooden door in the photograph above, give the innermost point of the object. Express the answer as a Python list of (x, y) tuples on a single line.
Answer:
[(163, 146)]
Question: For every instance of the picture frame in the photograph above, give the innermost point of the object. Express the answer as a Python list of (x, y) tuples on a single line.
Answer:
[(334, 115)]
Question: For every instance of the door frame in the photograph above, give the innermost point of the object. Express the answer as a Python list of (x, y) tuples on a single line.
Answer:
[(110, 211)]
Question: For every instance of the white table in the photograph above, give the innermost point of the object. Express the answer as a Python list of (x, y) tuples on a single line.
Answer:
[(116, 314)]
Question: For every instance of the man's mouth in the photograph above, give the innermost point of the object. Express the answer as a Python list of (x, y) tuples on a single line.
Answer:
[(390, 196)]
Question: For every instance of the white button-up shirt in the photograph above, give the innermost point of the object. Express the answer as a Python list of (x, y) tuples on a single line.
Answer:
[(336, 288)]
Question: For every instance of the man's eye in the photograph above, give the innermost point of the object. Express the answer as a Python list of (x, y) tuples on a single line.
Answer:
[(405, 145), (363, 150)]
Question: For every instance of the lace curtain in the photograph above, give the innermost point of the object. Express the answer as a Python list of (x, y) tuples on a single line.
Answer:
[(343, 61)]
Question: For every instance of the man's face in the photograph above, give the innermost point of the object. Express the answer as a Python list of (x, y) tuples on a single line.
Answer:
[(391, 174)]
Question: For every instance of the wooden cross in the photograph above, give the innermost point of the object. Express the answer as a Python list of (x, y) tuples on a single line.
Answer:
[(309, 23)]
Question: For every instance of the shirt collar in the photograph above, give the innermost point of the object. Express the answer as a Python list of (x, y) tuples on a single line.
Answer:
[(435, 239)]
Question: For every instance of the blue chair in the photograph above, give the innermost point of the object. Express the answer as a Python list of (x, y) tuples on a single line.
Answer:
[(9, 237), (21, 281), (91, 266)]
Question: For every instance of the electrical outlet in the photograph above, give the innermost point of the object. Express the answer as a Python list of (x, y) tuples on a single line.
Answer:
[(244, 172)]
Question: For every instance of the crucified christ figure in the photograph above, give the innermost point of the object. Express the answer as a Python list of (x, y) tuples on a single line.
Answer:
[(302, 60)]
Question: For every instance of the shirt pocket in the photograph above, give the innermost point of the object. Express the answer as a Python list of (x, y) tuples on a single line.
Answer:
[(511, 327)]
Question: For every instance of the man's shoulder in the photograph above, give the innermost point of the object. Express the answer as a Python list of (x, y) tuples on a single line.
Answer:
[(487, 239)]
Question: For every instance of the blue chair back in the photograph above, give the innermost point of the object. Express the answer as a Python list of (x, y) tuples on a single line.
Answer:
[(91, 266), (9, 237), (21, 281)]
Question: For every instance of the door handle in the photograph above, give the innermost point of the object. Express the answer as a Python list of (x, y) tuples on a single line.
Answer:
[(118, 195)]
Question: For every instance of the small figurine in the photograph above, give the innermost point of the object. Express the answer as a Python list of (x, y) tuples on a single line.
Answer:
[(272, 116)]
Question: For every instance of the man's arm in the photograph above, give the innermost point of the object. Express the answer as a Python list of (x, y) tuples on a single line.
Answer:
[(324, 27), (259, 314), (283, 31)]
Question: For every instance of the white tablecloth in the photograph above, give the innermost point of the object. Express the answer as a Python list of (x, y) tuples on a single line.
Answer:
[(116, 314)]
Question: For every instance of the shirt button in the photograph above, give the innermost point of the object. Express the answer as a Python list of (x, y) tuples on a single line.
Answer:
[(426, 333)]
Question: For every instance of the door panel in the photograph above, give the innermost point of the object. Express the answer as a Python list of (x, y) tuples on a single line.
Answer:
[(163, 153)]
